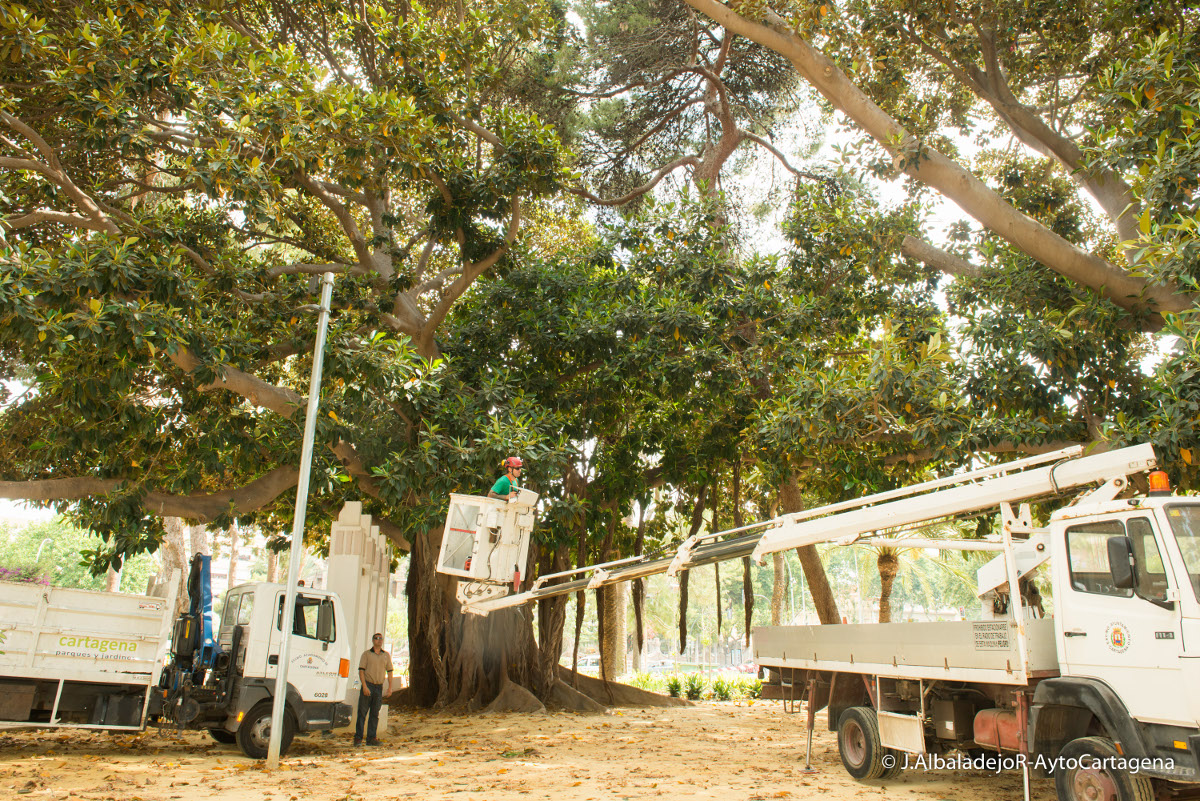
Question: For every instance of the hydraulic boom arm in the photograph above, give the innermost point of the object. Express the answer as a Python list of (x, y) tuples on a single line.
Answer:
[(1049, 474)]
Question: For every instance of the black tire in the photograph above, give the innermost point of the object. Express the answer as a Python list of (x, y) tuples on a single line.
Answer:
[(254, 735), (894, 766), (1075, 780), (859, 747), (223, 737)]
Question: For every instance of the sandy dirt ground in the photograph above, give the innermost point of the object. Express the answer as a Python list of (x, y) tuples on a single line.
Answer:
[(731, 751)]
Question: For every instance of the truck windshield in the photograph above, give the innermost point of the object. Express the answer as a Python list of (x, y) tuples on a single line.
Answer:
[(1185, 523)]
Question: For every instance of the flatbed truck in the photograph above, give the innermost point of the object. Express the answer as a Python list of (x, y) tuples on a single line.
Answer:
[(119, 662)]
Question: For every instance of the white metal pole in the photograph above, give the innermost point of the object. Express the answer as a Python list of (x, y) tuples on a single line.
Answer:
[(289, 598), (1015, 606)]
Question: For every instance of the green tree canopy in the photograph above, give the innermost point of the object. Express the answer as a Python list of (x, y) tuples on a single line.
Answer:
[(175, 180)]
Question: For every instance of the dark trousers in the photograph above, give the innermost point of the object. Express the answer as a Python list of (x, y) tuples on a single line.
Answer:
[(373, 704)]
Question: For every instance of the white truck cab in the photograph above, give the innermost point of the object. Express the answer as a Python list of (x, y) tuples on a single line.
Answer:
[(320, 662), (1126, 581), (1128, 633), (228, 690), (319, 648)]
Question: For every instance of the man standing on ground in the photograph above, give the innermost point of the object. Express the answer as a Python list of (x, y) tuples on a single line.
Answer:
[(373, 667), (505, 486)]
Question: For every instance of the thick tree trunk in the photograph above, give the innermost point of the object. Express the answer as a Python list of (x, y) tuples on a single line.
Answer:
[(485, 653), (747, 599), (172, 557), (552, 618), (112, 581), (272, 566), (234, 543), (612, 648), (200, 544), (580, 602), (778, 588), (468, 662), (601, 639), (427, 617), (889, 565), (639, 589), (683, 605), (790, 500)]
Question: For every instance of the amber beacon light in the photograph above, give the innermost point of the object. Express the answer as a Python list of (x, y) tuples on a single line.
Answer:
[(1159, 482)]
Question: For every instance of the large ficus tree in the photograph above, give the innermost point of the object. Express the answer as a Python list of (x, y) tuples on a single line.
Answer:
[(174, 178)]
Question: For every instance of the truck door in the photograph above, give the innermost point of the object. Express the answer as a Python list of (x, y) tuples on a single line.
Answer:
[(314, 663), (1130, 638)]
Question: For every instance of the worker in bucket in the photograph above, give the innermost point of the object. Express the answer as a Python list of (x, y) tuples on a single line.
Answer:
[(505, 487)]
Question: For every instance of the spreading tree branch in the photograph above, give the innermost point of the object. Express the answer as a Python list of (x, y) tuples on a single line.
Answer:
[(774, 151), (204, 507), (52, 170), (937, 258), (470, 273), (663, 172), (280, 400), (48, 215), (924, 163)]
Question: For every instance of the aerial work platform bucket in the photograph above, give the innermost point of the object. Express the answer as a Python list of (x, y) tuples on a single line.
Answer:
[(486, 543)]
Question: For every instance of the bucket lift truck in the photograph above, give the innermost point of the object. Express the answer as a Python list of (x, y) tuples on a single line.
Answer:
[(1100, 694)]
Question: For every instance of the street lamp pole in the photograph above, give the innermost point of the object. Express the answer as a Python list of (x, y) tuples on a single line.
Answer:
[(289, 600)]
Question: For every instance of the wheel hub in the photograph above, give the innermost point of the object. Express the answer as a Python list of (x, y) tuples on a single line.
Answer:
[(260, 732), (1091, 784), (856, 744)]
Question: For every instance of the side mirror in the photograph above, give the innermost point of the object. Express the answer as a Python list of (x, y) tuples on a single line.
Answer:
[(1120, 562)]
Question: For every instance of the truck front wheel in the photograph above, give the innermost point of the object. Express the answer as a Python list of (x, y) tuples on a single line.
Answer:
[(1085, 771), (858, 744), (254, 735)]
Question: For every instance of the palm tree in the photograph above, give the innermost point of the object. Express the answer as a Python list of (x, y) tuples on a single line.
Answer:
[(913, 570), (888, 562)]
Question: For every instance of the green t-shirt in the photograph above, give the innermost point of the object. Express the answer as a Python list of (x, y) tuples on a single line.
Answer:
[(502, 486)]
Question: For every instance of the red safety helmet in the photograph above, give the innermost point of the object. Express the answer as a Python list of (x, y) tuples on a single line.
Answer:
[(512, 461)]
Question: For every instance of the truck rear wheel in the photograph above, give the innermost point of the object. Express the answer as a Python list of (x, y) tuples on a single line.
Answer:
[(254, 735), (223, 737), (1083, 774), (858, 745)]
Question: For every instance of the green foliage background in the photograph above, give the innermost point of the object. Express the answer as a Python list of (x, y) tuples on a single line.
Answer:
[(62, 560)]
